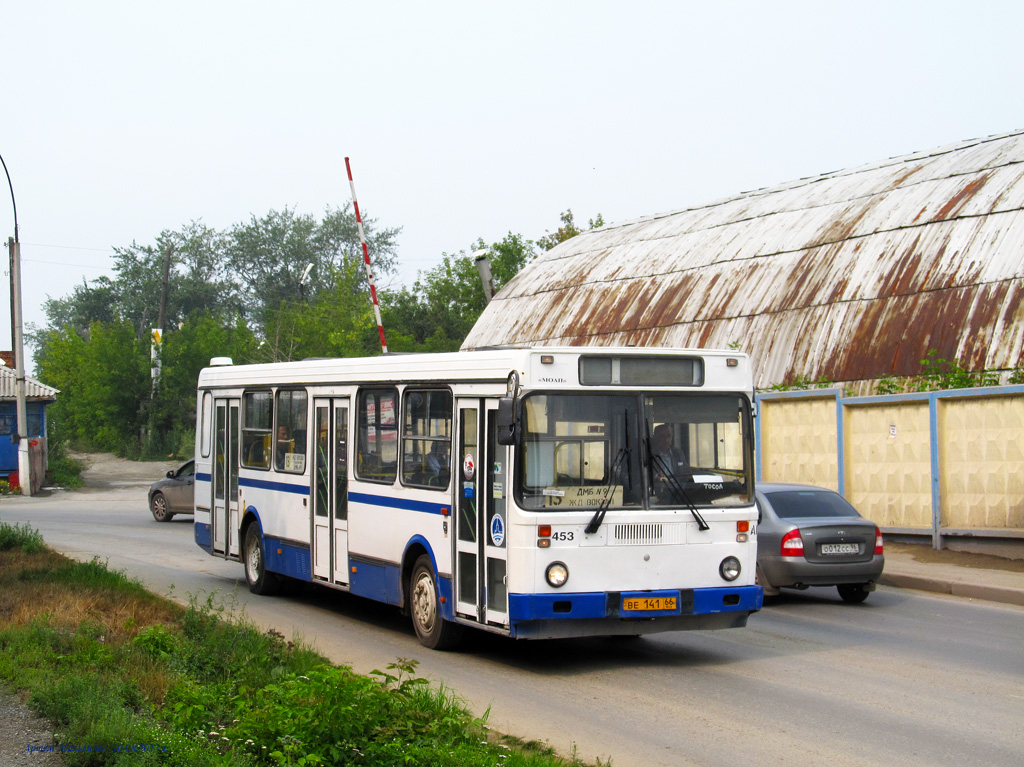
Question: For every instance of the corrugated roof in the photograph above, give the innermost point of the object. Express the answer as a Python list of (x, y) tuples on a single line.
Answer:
[(846, 276), (33, 389)]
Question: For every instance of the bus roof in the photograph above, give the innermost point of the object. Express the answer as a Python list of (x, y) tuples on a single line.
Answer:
[(480, 365)]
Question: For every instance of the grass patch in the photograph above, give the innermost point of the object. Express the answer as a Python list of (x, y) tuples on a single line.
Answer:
[(127, 677)]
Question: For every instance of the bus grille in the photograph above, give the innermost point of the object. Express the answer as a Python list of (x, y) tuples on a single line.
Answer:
[(640, 534)]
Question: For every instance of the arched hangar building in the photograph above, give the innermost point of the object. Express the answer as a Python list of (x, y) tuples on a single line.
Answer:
[(848, 276)]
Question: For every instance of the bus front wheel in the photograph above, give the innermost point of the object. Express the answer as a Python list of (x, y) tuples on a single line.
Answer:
[(432, 630), (260, 580)]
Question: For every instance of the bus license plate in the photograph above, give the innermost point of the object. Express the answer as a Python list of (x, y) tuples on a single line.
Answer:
[(648, 604), (840, 548)]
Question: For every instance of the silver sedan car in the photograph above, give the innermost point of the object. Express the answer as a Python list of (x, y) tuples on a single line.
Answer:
[(810, 536), (173, 494)]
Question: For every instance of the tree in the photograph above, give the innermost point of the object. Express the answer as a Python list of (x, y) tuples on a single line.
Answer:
[(86, 304), (253, 269), (332, 323), (440, 309), (269, 255), (567, 230), (102, 382), (170, 415)]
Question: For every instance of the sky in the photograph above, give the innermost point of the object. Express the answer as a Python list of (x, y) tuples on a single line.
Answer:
[(463, 120)]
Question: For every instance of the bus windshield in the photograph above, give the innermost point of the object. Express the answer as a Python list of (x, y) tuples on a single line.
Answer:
[(584, 451)]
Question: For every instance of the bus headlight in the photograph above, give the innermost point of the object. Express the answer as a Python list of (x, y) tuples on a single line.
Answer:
[(730, 568), (557, 574)]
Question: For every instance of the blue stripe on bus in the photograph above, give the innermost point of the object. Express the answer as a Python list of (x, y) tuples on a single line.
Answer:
[(530, 607), (427, 507), (203, 536), (266, 484), (376, 580), (288, 558), (723, 600)]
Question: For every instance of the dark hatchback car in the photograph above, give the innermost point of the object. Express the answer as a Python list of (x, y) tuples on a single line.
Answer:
[(810, 536), (173, 494)]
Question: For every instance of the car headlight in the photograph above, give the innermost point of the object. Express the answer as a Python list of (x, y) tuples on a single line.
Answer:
[(730, 568), (557, 574)]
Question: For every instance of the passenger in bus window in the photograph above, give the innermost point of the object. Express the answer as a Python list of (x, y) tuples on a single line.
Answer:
[(437, 464), (666, 461), (283, 446)]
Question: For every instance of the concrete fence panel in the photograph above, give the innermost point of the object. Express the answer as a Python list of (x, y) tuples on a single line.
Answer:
[(981, 455), (888, 463), (798, 441)]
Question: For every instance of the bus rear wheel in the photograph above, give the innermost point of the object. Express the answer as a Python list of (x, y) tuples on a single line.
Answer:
[(432, 630), (260, 580)]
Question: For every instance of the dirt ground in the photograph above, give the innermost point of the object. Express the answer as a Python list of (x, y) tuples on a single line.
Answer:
[(21, 730), (105, 471)]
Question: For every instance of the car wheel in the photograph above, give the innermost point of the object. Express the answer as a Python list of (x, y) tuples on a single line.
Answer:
[(432, 630), (260, 580), (158, 505), (853, 592), (760, 580)]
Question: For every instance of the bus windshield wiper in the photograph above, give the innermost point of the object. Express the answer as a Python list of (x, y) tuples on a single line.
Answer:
[(598, 518), (622, 455), (670, 478)]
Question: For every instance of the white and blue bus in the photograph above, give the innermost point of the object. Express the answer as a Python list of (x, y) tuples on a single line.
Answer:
[(530, 492)]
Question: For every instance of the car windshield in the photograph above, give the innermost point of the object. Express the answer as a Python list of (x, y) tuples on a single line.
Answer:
[(792, 504), (599, 451)]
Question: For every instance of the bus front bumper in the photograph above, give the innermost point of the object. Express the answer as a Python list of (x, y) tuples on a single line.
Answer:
[(631, 613)]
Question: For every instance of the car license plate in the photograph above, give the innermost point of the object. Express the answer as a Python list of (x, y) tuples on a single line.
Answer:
[(648, 604), (840, 548)]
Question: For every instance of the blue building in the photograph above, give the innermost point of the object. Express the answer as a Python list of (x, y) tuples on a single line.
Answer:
[(37, 397)]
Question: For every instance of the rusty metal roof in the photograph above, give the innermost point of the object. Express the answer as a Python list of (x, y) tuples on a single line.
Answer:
[(33, 389), (847, 276)]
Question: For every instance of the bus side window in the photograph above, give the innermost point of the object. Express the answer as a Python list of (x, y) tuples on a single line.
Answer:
[(256, 421), (377, 435), (291, 431), (427, 438), (206, 416)]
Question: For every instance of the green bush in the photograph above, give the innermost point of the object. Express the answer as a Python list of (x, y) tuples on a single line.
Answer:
[(21, 537)]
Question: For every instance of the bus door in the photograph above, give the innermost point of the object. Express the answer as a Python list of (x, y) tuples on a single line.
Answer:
[(330, 491), (225, 514), (481, 520)]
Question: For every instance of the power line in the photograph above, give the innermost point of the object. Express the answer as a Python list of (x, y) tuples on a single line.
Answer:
[(69, 247), (64, 263)]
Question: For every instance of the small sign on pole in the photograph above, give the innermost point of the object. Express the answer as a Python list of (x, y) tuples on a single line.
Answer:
[(156, 338)]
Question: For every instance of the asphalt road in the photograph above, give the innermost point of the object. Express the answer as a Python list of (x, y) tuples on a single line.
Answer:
[(903, 679)]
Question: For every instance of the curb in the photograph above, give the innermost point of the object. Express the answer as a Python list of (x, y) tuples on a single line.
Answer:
[(1002, 595)]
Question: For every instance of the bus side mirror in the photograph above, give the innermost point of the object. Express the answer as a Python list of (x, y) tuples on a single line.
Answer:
[(507, 431)]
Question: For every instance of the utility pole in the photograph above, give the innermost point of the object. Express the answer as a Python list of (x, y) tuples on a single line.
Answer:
[(24, 462), (162, 319)]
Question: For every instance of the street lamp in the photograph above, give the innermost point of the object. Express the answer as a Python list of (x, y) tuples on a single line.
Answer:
[(24, 464)]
